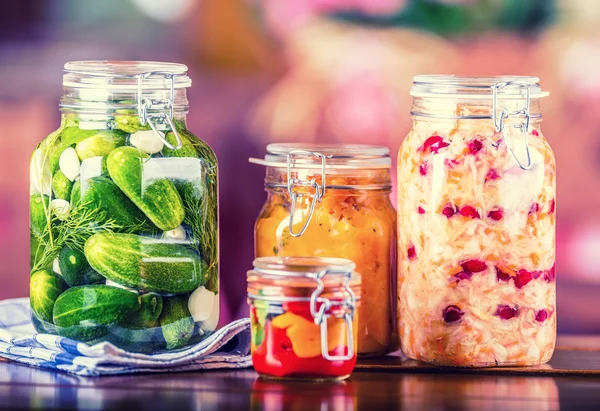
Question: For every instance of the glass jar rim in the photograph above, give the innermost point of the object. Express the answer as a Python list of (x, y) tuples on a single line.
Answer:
[(316, 156), (125, 75), (476, 87)]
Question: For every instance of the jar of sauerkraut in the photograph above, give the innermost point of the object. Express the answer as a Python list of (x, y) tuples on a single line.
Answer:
[(333, 201), (476, 218)]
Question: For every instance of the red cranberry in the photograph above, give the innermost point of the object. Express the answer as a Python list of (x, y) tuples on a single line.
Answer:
[(536, 274), (552, 205), (535, 207), (411, 252), (535, 133), (522, 278), (496, 214), (502, 276), (434, 144), (421, 210), (423, 168), (474, 266), (491, 175), (475, 146), (550, 275), (452, 314), (463, 275), (469, 211), (506, 312), (541, 316), (449, 211)]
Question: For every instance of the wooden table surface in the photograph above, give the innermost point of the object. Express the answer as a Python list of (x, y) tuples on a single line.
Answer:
[(372, 389)]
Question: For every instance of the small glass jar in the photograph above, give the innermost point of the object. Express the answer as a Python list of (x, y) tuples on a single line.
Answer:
[(124, 212), (476, 218), (333, 201), (303, 317)]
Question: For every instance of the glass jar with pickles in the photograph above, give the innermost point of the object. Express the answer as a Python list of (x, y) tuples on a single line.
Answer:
[(477, 216), (124, 227), (333, 201)]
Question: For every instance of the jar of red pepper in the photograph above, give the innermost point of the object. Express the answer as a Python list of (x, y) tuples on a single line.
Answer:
[(303, 317)]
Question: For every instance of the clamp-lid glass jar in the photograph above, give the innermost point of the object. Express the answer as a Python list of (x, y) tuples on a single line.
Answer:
[(476, 214), (124, 212), (303, 317), (333, 201)]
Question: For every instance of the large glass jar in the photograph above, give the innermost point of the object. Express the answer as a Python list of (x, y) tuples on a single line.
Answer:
[(124, 239), (333, 201), (303, 317), (476, 218)]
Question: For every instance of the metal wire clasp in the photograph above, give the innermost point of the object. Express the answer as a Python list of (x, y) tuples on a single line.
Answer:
[(499, 121), (144, 104), (322, 313), (293, 182)]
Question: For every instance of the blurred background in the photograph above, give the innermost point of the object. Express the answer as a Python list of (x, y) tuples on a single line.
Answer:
[(311, 70)]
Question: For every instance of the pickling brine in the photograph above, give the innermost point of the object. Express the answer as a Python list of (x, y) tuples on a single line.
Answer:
[(124, 212), (476, 218)]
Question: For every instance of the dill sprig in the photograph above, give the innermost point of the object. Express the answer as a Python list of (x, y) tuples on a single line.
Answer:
[(80, 224)]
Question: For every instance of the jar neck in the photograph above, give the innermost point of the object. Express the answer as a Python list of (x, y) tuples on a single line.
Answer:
[(444, 109), (93, 121), (373, 180)]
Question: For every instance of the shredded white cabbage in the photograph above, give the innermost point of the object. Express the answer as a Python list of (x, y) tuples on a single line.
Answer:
[(521, 244)]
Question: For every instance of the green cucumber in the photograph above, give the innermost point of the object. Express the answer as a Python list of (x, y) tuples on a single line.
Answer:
[(37, 213), (102, 194), (147, 315), (44, 288), (140, 332), (100, 144), (84, 313), (176, 322), (129, 122), (158, 199), (75, 269), (105, 167), (187, 148), (145, 263), (61, 186), (76, 193)]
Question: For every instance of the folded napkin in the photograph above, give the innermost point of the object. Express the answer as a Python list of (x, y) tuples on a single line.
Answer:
[(228, 347)]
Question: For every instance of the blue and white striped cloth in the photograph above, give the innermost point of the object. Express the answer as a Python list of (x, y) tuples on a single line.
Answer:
[(228, 347)]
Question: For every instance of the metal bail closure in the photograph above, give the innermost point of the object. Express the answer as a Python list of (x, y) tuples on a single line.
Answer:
[(292, 182), (321, 314), (144, 104), (505, 114)]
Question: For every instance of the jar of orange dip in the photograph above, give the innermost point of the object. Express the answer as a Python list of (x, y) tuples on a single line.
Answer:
[(333, 201)]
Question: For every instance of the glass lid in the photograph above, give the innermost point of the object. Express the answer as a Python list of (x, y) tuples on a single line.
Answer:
[(125, 74), (451, 86), (308, 155)]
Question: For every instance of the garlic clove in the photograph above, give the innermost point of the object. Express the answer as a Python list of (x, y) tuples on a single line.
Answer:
[(147, 141), (40, 176), (60, 208), (176, 233), (56, 266), (201, 303), (212, 322), (68, 163)]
